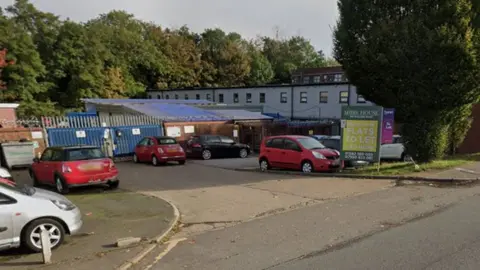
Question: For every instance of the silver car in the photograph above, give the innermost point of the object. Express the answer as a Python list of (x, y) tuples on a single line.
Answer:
[(25, 211)]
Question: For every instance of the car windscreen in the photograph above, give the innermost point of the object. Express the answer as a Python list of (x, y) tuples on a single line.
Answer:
[(310, 143), (84, 154), (163, 141)]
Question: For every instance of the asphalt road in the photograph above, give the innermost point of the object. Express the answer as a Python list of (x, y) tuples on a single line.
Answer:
[(449, 240), (400, 228)]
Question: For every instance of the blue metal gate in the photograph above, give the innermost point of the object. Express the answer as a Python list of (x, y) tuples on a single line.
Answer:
[(94, 132)]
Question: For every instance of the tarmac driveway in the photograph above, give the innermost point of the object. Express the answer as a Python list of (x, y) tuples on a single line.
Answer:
[(208, 196)]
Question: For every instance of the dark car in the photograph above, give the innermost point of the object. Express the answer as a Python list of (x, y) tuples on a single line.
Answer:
[(213, 146), (333, 142)]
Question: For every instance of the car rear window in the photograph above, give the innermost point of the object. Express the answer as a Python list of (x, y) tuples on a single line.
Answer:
[(166, 141), (84, 154)]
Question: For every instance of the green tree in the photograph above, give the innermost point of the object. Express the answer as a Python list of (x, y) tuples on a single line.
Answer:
[(21, 78), (288, 55), (225, 60), (415, 56)]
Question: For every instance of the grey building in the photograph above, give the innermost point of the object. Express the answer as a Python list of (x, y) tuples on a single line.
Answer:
[(301, 102)]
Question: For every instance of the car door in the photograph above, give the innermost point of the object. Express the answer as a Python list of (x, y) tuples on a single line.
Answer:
[(397, 148), (7, 232), (141, 148), (43, 164), (386, 151), (274, 149), (229, 147), (52, 165), (291, 154), (215, 145)]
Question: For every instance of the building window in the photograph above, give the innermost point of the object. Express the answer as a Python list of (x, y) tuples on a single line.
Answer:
[(197, 96), (209, 98), (344, 97), (159, 97), (325, 78), (338, 77), (296, 80), (176, 96), (306, 80), (283, 97), (361, 99), (303, 97), (235, 98), (262, 97), (167, 97), (220, 98), (324, 97), (186, 96), (248, 98), (316, 79)]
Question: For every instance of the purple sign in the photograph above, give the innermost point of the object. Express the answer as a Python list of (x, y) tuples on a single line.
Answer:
[(387, 125)]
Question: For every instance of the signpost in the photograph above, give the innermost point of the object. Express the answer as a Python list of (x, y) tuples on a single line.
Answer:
[(388, 122), (361, 133)]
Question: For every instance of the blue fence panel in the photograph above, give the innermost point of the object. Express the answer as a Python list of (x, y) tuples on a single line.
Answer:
[(75, 136), (125, 144)]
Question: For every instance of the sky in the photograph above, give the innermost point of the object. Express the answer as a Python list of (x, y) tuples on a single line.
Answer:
[(313, 19)]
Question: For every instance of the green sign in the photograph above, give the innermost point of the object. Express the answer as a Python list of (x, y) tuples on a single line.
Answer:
[(361, 130)]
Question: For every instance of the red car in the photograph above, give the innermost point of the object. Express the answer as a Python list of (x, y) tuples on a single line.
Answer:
[(298, 152), (159, 150), (73, 166)]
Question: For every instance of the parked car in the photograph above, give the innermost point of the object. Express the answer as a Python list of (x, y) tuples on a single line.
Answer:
[(73, 166), (298, 152), (26, 210), (159, 150), (213, 146), (394, 150), (334, 142), (5, 174)]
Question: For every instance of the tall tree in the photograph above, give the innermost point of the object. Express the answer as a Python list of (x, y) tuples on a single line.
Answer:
[(415, 56), (21, 79)]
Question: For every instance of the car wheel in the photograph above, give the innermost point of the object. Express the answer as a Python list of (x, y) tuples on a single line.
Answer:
[(60, 185), (264, 166), (206, 154), (181, 162), (114, 184), (405, 158), (135, 158), (307, 167), (243, 153), (34, 178), (154, 160), (31, 237)]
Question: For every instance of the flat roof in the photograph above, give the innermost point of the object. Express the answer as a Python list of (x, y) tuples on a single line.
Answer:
[(248, 87)]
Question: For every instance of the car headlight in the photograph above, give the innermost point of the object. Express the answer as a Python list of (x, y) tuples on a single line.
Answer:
[(318, 155), (67, 206)]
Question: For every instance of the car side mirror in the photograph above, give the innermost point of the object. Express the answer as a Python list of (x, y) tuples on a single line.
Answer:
[(36, 160)]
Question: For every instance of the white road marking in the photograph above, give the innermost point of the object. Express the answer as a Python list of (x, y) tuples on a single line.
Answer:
[(170, 245)]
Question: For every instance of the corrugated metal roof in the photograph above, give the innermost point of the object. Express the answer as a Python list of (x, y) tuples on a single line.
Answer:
[(242, 115), (176, 112), (145, 101)]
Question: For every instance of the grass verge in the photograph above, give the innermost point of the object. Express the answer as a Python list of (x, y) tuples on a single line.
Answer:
[(408, 168)]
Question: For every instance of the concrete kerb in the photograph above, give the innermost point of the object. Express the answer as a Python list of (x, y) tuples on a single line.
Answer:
[(399, 180), (159, 239)]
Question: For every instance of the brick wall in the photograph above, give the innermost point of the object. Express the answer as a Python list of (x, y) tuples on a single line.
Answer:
[(16, 134), (8, 117)]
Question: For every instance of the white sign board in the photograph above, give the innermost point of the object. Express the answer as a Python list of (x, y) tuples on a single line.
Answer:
[(35, 145), (37, 135), (235, 133), (135, 131), (174, 132), (80, 133), (106, 133), (189, 129)]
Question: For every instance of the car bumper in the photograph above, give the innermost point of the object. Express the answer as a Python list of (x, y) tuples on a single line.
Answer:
[(75, 222), (325, 165), (172, 158), (87, 180)]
